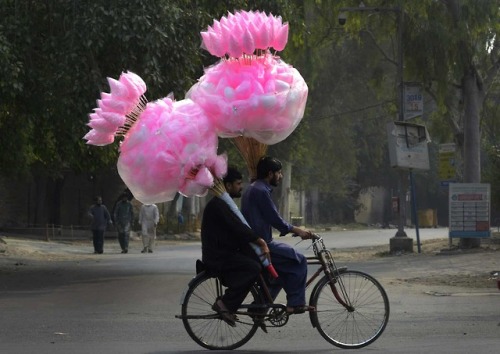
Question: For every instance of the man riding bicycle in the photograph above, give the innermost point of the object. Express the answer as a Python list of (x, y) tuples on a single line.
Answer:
[(225, 249), (261, 214)]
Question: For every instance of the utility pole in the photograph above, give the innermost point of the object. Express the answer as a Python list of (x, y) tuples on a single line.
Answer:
[(400, 242)]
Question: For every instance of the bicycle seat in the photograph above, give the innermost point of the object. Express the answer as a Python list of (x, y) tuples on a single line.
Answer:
[(200, 266)]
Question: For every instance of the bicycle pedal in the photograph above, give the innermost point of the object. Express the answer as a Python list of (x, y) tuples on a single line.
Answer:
[(262, 325)]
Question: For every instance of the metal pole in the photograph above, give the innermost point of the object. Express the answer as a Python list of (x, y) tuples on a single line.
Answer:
[(400, 234), (414, 207), (402, 190)]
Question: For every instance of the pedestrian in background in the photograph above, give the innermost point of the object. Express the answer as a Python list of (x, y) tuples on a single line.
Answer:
[(124, 216), (100, 220), (148, 218)]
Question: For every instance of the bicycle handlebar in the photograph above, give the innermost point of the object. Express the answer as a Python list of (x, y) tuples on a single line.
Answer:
[(315, 236)]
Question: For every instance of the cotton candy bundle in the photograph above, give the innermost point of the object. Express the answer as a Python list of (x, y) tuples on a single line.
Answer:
[(171, 148), (244, 32), (116, 110), (264, 100)]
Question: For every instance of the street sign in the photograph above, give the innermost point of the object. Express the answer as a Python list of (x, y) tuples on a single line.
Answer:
[(469, 210), (413, 101), (408, 145), (447, 164)]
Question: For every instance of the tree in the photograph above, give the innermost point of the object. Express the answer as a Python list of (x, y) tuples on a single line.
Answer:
[(56, 55), (450, 46), (460, 71)]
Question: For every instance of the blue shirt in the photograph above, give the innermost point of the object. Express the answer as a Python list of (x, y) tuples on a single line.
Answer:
[(100, 217), (260, 211)]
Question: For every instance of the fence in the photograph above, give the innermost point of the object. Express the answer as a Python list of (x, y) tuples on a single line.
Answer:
[(50, 232)]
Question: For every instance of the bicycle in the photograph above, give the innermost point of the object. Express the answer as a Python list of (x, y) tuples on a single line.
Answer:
[(351, 307)]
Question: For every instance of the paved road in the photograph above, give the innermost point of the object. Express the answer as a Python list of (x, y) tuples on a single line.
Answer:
[(116, 303)]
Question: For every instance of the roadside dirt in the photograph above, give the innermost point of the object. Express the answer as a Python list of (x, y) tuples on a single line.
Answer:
[(22, 250), (438, 248)]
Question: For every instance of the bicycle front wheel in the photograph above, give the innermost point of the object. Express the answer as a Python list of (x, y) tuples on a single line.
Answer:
[(360, 320), (204, 325)]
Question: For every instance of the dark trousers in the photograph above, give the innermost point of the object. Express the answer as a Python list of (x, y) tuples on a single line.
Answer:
[(123, 238), (292, 278), (98, 240), (238, 274)]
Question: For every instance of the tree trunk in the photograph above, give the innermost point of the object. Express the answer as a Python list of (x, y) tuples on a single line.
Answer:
[(472, 141), (472, 136)]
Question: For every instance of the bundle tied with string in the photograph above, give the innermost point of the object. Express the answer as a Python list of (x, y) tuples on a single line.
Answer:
[(118, 110), (251, 150), (251, 95)]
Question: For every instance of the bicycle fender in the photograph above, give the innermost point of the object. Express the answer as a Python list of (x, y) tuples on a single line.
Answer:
[(324, 279), (312, 318), (183, 295)]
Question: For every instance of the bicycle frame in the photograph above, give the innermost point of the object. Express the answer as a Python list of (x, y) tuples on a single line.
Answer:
[(324, 258), (327, 266), (350, 308)]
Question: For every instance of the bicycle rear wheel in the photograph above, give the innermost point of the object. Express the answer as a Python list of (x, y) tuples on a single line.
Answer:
[(365, 318), (204, 325)]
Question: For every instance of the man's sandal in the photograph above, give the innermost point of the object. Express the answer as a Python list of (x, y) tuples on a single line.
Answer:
[(299, 309), (224, 313)]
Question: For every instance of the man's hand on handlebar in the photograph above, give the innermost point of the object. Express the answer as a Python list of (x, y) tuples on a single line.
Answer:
[(304, 234)]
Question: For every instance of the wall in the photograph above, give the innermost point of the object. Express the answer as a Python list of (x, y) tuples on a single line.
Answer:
[(373, 200), (28, 203)]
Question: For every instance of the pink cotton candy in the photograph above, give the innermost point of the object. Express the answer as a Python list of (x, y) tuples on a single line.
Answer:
[(134, 83), (247, 42), (243, 33), (190, 188), (280, 37), (118, 88), (94, 137), (204, 177), (219, 166), (169, 142), (126, 96), (101, 125), (252, 99), (235, 49), (114, 105), (113, 118)]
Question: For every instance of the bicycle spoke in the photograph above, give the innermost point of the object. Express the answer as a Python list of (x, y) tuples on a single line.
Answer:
[(204, 325), (364, 320)]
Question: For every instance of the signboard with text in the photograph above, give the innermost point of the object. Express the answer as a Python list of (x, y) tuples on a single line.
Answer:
[(407, 144), (469, 210), (413, 101)]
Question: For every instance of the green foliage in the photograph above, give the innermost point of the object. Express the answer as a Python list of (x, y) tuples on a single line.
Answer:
[(57, 54)]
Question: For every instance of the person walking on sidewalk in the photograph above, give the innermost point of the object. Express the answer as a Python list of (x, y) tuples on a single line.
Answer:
[(100, 220), (124, 216), (148, 218)]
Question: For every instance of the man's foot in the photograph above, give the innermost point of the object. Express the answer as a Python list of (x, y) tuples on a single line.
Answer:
[(144, 250), (226, 316), (124, 251), (293, 310), (150, 250)]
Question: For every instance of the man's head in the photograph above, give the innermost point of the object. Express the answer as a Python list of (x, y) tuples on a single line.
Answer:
[(233, 182), (269, 169), (128, 194), (98, 200)]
